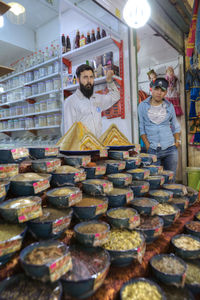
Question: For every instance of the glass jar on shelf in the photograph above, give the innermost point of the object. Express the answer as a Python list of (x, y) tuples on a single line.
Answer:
[(21, 79), (13, 110), (36, 74), (5, 125), (1, 125), (16, 123), (49, 85), (27, 91), (31, 108), (10, 124), (34, 89), (29, 123), (4, 98), (28, 76), (25, 108), (56, 83), (7, 112), (50, 69), (57, 118), (41, 87), (37, 107), (42, 72), (36, 121), (50, 120), (42, 121), (43, 105), (21, 122), (56, 67)]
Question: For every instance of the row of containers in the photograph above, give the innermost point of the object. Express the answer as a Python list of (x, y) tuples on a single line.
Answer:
[(32, 122), (33, 89), (29, 76), (31, 108), (113, 206)]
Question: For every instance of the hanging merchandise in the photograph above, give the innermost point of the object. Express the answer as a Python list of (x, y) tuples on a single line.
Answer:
[(152, 77), (193, 85), (172, 91), (192, 33), (142, 96)]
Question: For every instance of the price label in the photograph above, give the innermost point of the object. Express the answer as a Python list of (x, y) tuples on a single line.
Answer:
[(134, 222), (40, 186), (137, 148), (9, 171), (107, 187), (100, 239), (10, 246), (154, 158), (183, 280), (171, 176), (101, 208), (74, 198), (50, 166), (19, 153), (146, 174), (153, 212), (85, 160), (125, 154), (129, 197), (158, 231), (138, 161), (186, 204), (80, 176), (128, 180), (51, 152), (99, 280), (177, 216), (60, 267), (145, 188), (100, 170), (103, 153), (184, 190), (162, 180), (160, 169), (121, 165), (60, 224), (29, 212), (2, 190)]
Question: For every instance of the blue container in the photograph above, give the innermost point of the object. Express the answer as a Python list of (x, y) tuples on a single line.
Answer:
[(30, 187), (46, 165), (192, 231), (173, 292), (132, 162), (83, 288), (93, 211), (182, 203), (93, 238), (95, 172), (193, 287), (177, 189), (63, 179), (139, 188), (51, 228), (139, 174), (186, 254), (168, 278), (130, 222), (40, 272), (123, 258), (77, 160), (137, 280), (6, 257), (161, 196), (21, 279), (155, 181), (192, 195), (152, 233), (11, 214), (114, 166), (119, 197), (43, 152), (97, 187), (120, 179), (154, 170), (118, 155), (146, 159), (69, 199), (170, 218), (16, 155), (169, 176), (144, 205)]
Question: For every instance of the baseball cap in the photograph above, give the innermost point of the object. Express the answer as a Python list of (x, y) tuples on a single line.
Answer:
[(161, 83)]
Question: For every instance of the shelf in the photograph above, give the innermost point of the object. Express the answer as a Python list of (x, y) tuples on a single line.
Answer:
[(97, 81), (90, 47), (42, 94), (32, 114), (13, 102), (30, 69), (42, 78), (12, 89), (32, 128)]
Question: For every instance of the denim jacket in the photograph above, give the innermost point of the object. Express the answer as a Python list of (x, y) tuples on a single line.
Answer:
[(158, 133)]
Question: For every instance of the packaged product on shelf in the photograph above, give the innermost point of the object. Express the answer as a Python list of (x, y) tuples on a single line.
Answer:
[(57, 118), (34, 89), (56, 67), (56, 83), (50, 120), (42, 121), (36, 121), (28, 76), (50, 70), (42, 72), (70, 79), (4, 98), (63, 43), (82, 40), (77, 40), (27, 91), (46, 54), (98, 36), (93, 38), (68, 44), (37, 107), (31, 108), (29, 122), (49, 85)]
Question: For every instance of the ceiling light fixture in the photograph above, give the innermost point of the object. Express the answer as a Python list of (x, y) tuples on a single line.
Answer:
[(136, 13), (17, 13), (1, 21)]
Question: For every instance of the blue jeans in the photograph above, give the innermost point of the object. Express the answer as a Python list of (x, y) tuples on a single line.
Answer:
[(167, 158)]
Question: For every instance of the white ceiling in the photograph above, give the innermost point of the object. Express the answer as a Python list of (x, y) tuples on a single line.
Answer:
[(154, 49)]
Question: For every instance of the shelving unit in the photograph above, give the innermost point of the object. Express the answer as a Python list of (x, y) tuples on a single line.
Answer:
[(32, 128)]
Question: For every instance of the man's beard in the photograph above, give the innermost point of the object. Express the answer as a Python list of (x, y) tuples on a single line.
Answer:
[(87, 90)]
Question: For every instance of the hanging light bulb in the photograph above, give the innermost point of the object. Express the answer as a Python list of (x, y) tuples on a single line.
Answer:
[(1, 21), (17, 13), (136, 13)]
